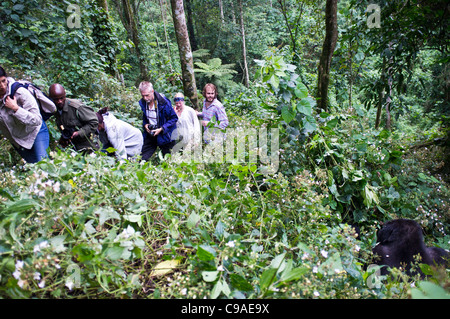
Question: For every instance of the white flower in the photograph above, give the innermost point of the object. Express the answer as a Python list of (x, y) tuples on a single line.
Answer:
[(37, 276), (56, 187), (324, 253), (38, 247), (19, 264), (21, 283), (316, 293), (184, 291), (315, 269), (16, 274), (230, 244), (220, 268), (42, 284)]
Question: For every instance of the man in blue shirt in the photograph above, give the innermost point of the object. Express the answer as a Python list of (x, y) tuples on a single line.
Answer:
[(159, 120)]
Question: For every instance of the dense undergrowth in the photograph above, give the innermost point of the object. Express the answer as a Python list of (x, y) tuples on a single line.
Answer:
[(75, 226)]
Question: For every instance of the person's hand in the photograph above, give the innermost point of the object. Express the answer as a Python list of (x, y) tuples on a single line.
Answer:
[(63, 142), (11, 104), (157, 131), (74, 135), (205, 123)]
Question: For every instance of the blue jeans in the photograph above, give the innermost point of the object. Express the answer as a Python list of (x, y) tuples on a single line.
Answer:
[(39, 149)]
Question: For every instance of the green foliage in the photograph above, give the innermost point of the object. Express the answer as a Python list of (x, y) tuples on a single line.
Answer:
[(215, 72)]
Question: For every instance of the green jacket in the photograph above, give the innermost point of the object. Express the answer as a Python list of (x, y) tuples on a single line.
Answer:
[(77, 116)]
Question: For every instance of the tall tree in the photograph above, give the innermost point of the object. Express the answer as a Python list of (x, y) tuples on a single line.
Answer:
[(329, 44), (103, 35), (244, 47), (190, 25), (127, 14), (184, 48)]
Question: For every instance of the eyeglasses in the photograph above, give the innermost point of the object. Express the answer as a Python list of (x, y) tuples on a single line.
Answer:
[(178, 99)]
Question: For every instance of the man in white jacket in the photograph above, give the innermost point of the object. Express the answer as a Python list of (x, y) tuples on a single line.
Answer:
[(188, 125), (123, 137)]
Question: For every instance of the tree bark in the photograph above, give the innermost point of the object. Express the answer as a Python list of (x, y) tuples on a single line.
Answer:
[(129, 22), (222, 17), (163, 17), (328, 47), (190, 25), (184, 48), (244, 48)]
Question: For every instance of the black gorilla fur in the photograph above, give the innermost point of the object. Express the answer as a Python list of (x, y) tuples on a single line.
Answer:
[(398, 241)]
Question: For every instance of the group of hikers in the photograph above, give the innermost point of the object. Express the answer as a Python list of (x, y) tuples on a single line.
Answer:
[(24, 110)]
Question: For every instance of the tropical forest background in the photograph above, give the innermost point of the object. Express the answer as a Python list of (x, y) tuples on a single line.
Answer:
[(358, 91)]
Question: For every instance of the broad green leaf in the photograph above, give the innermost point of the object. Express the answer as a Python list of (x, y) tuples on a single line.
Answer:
[(332, 123), (192, 220), (210, 276), (309, 124), (106, 214), (57, 243), (274, 81), (134, 218), (204, 254), (301, 91), (305, 106), (267, 278), (287, 113), (164, 267), (115, 253), (240, 283), (276, 262), (21, 205), (429, 290), (294, 274)]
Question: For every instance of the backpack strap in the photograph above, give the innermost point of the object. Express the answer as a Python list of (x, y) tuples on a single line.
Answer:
[(15, 86)]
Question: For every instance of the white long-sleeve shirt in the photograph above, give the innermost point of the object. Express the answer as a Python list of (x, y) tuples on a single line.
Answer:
[(125, 138), (188, 126)]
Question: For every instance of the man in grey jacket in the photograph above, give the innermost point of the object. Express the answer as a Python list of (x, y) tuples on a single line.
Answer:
[(21, 121)]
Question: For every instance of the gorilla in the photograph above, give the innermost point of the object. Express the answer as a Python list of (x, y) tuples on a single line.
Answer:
[(399, 240)]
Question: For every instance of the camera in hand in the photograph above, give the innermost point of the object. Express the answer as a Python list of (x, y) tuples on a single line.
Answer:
[(66, 133), (151, 128)]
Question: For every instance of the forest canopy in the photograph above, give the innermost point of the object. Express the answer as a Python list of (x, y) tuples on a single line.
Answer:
[(353, 95)]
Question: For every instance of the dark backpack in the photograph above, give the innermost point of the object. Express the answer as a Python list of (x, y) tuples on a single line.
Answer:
[(46, 106)]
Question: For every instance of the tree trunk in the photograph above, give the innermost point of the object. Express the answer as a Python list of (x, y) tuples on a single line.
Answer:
[(222, 17), (389, 86), (184, 47), (103, 4), (244, 49), (379, 108), (190, 26), (163, 17), (328, 47), (127, 16)]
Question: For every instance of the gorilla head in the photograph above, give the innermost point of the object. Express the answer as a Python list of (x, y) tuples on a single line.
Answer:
[(399, 241)]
